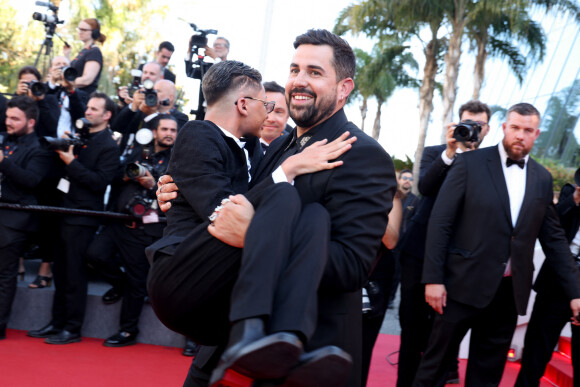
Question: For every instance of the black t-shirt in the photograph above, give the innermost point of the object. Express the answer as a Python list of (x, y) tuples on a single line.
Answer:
[(86, 55)]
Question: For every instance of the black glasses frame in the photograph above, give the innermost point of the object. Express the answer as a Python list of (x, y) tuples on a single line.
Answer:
[(269, 105)]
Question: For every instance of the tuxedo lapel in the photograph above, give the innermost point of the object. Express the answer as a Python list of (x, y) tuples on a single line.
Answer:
[(497, 177), (272, 156)]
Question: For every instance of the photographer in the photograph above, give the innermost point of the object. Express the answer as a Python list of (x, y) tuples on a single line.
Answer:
[(22, 165), (134, 193), (146, 105), (30, 84), (89, 61), (151, 70), (220, 50), (164, 53), (89, 168), (415, 315)]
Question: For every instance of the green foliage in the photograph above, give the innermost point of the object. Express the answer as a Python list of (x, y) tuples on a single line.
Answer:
[(402, 164), (560, 174)]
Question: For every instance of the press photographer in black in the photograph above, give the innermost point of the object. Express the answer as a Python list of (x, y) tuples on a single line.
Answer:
[(89, 168), (22, 165), (30, 84), (133, 192)]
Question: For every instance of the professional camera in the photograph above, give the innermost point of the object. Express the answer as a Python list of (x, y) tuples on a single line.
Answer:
[(54, 143), (38, 89), (467, 131), (150, 93), (47, 19), (137, 170), (136, 83), (197, 68), (139, 205), (70, 73)]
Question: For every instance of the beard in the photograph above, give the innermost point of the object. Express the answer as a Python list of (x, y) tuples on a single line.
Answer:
[(308, 116), (165, 142), (515, 154)]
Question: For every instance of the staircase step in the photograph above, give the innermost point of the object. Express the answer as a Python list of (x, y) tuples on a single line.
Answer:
[(565, 346), (559, 371)]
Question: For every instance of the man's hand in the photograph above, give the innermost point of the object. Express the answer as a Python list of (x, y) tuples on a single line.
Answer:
[(577, 196), (123, 94), (317, 156), (55, 75), (210, 52), (436, 296), (1, 156), (66, 157), (232, 221), (452, 143), (147, 181), (22, 88), (575, 306), (166, 191), (138, 100)]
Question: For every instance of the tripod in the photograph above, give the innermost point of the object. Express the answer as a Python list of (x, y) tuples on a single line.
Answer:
[(47, 45)]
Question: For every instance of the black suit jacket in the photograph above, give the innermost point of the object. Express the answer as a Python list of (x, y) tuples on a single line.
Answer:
[(358, 197), (21, 172), (470, 235), (89, 175), (569, 214), (431, 176), (168, 75)]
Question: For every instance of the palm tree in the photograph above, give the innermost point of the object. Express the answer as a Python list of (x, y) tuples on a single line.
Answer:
[(361, 86)]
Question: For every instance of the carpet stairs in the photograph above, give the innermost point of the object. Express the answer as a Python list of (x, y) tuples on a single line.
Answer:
[(559, 371)]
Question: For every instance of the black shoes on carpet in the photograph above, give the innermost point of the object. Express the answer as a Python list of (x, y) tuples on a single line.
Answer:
[(44, 332), (121, 339), (190, 348), (64, 337), (112, 295)]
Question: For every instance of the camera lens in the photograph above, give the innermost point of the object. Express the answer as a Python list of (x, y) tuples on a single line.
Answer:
[(151, 99), (70, 73), (38, 89)]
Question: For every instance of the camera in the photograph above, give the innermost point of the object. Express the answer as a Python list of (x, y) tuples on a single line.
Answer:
[(150, 93), (49, 20), (197, 68), (70, 73), (45, 18), (139, 205), (38, 89), (55, 143), (467, 131), (136, 170), (136, 83)]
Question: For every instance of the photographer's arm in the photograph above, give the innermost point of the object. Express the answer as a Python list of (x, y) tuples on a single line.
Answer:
[(90, 72), (31, 175)]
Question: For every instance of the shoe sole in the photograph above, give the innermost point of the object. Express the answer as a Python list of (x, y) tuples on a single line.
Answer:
[(329, 368), (63, 342), (111, 345), (271, 357)]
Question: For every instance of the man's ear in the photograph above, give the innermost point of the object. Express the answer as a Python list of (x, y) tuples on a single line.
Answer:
[(107, 116), (345, 87), (242, 106)]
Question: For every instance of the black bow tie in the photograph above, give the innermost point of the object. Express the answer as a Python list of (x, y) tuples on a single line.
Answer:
[(520, 163)]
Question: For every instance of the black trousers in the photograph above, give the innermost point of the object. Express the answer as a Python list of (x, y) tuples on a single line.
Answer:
[(551, 312), (416, 319), (492, 329), (11, 249), (129, 244), (205, 283), (70, 278)]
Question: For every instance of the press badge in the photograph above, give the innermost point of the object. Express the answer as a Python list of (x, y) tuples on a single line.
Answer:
[(63, 185)]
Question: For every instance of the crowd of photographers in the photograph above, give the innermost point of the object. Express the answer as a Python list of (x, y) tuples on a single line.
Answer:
[(91, 165)]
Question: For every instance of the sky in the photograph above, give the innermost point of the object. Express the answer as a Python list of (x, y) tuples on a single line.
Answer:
[(261, 33)]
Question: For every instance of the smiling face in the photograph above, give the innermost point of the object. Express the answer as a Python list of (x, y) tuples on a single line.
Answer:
[(520, 133), (276, 121), (312, 90)]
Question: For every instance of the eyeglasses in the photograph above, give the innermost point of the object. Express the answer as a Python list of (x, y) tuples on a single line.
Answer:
[(83, 29), (407, 178), (268, 105), (481, 123), (218, 45)]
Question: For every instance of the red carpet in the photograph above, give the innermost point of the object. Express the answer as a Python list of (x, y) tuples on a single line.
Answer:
[(29, 362)]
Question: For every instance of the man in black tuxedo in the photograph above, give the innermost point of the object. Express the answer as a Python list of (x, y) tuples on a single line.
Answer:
[(163, 55), (23, 164), (357, 195), (415, 315), (89, 169), (478, 266), (551, 311)]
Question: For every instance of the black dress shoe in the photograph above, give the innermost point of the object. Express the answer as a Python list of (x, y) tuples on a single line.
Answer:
[(324, 367), (121, 339), (44, 332), (252, 354), (64, 337), (111, 296), (190, 348)]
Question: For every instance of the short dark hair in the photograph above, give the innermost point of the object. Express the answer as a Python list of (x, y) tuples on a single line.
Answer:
[(343, 60), (223, 77), (30, 70), (110, 106), (524, 109), (166, 45), (475, 106), (26, 104), (154, 124), (405, 171), (273, 87)]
